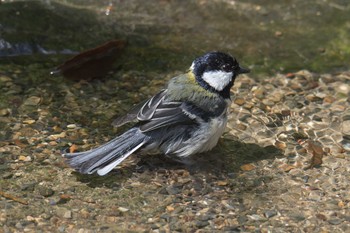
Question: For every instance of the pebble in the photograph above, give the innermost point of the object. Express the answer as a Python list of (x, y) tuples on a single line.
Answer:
[(239, 101), (345, 125), (270, 213), (4, 112), (24, 158), (256, 217), (45, 191), (123, 209), (29, 121), (247, 167), (173, 189), (71, 126), (343, 88), (201, 224), (32, 101), (335, 221), (64, 213)]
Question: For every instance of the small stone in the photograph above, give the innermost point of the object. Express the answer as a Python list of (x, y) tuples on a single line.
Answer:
[(24, 158), (278, 33), (241, 127), (28, 187), (29, 121), (239, 101), (4, 112), (270, 213), (256, 217), (71, 126), (314, 197), (7, 175), (85, 213), (68, 214), (247, 167), (201, 224), (321, 49), (222, 183), (268, 102), (345, 125), (343, 88), (276, 97), (45, 191), (64, 213), (345, 144), (286, 167), (329, 99), (321, 216), (173, 189), (123, 209), (259, 93), (280, 145), (56, 136), (170, 208), (335, 221), (32, 101)]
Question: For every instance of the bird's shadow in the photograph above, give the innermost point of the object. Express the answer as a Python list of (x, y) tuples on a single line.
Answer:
[(227, 157)]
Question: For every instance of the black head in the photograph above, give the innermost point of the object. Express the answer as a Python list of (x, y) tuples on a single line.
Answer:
[(216, 72)]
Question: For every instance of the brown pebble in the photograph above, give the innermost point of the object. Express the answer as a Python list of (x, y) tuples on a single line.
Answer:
[(286, 167), (280, 145), (239, 101), (247, 167), (278, 33), (328, 99)]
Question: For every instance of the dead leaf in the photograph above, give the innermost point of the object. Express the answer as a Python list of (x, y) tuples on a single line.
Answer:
[(92, 63)]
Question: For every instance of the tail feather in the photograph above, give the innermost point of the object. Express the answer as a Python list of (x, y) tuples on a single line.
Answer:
[(104, 158), (103, 171)]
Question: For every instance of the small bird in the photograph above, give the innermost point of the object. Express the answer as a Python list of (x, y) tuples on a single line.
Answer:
[(186, 118)]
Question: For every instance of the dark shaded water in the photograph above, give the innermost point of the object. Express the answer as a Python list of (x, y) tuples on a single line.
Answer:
[(268, 36)]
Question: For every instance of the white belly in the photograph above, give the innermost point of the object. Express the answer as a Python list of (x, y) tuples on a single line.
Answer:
[(206, 137)]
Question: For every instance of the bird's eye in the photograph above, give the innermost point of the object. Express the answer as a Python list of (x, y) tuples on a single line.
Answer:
[(226, 67)]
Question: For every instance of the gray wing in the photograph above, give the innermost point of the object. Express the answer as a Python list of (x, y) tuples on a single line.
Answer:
[(157, 113), (142, 111), (169, 113)]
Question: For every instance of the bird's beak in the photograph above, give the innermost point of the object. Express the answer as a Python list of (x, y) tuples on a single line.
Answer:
[(243, 70)]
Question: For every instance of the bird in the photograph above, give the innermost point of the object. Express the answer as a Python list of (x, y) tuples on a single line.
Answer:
[(187, 117)]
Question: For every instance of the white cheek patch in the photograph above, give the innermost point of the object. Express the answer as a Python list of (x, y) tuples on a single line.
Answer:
[(217, 79)]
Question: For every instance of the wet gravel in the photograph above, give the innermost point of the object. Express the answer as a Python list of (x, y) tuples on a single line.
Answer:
[(282, 165)]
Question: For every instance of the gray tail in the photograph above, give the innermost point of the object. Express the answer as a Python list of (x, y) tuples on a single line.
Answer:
[(104, 158)]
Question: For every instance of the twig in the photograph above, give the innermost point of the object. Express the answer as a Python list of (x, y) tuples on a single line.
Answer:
[(9, 196)]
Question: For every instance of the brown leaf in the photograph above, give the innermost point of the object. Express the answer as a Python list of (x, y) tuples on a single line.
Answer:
[(93, 63)]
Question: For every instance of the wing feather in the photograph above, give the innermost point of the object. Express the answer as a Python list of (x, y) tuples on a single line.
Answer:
[(157, 112), (142, 111)]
